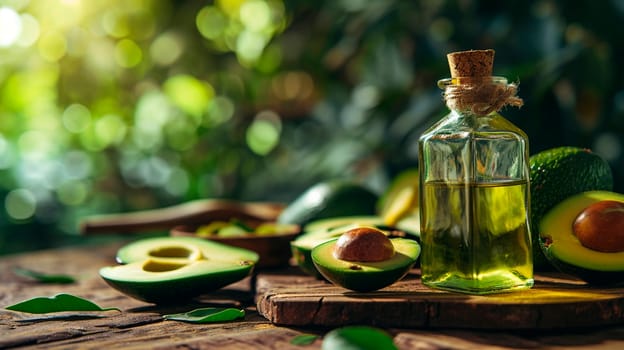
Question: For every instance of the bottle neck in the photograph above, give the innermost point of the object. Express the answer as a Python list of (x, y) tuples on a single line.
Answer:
[(469, 115), (479, 96)]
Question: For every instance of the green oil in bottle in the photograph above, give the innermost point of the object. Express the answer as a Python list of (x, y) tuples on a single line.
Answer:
[(475, 236)]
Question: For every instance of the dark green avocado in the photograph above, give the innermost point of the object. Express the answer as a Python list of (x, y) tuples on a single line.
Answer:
[(366, 276), (558, 173), (173, 269), (329, 199), (564, 250)]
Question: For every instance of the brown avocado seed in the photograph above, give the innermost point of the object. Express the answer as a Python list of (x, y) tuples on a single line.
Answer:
[(364, 244), (600, 226)]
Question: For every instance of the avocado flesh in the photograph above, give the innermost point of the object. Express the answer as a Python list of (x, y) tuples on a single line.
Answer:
[(179, 248), (565, 251), (196, 266), (329, 224), (321, 231), (557, 174), (366, 276)]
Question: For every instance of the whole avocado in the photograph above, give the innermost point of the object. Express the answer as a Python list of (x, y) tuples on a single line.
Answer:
[(557, 174), (332, 198)]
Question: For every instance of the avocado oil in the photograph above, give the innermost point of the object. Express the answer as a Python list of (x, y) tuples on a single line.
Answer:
[(474, 198), (477, 237)]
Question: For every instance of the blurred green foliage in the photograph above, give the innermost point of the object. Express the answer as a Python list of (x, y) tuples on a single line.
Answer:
[(120, 105)]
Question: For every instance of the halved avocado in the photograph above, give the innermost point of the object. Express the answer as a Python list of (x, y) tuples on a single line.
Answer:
[(564, 250), (301, 247), (366, 276), (173, 269), (321, 231)]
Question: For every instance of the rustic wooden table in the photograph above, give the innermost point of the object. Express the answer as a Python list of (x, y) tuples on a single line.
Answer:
[(141, 326)]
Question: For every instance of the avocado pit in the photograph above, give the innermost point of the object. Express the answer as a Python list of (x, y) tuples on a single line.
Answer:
[(363, 244), (600, 226)]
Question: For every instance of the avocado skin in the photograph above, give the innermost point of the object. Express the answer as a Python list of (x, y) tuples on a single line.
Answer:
[(556, 174), (329, 199), (591, 276), (365, 283), (180, 290)]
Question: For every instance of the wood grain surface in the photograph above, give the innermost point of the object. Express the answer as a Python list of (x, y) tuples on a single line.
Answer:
[(554, 302), (140, 325)]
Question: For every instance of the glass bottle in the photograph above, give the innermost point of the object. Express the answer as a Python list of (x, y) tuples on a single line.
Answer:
[(474, 198)]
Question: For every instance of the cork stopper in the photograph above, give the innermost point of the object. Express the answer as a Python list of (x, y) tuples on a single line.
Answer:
[(473, 63), (472, 86)]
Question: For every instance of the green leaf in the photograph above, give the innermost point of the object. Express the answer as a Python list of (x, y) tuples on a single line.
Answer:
[(43, 277), (207, 315), (304, 339), (358, 338), (58, 303)]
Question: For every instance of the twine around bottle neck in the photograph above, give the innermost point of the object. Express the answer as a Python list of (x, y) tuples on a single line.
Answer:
[(480, 96)]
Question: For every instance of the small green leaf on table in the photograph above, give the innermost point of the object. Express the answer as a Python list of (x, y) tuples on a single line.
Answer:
[(207, 315), (44, 277), (304, 339), (58, 303), (358, 338)]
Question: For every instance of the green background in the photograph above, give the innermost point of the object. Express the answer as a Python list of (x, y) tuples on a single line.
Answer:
[(122, 105)]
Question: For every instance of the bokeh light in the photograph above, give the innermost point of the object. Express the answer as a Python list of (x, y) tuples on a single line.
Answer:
[(76, 118), (52, 46), (72, 192), (242, 26), (211, 22), (264, 132), (189, 94), (166, 49), (20, 204), (10, 26), (30, 31), (255, 15), (128, 54), (115, 24)]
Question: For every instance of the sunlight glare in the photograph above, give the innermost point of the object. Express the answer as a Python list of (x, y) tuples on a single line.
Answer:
[(10, 26)]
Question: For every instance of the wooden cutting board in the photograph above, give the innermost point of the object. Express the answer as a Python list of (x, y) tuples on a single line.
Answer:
[(555, 301)]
